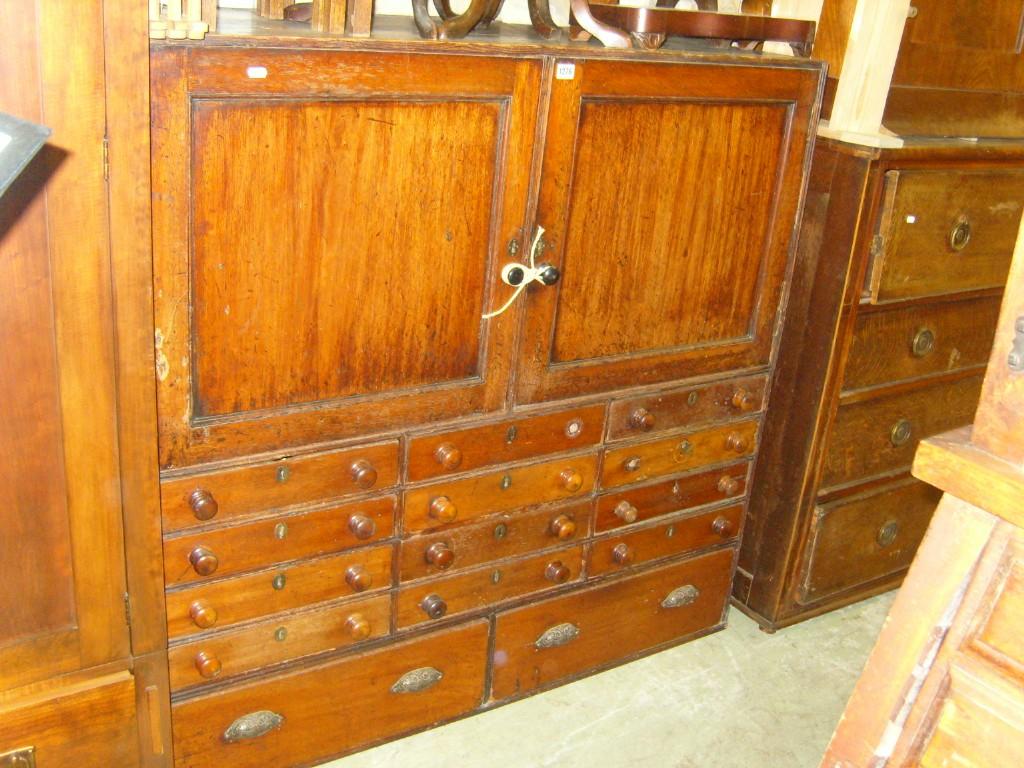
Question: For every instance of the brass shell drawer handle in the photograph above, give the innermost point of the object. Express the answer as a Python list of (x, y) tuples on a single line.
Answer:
[(681, 596), (443, 509), (923, 343), (252, 726), (417, 680), (204, 506), (641, 419), (448, 456), (626, 512), (362, 527), (23, 757), (363, 473), (557, 636), (960, 235), (203, 560), (901, 433)]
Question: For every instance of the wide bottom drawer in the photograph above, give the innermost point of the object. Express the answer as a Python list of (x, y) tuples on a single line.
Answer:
[(315, 713), (858, 539), (541, 643)]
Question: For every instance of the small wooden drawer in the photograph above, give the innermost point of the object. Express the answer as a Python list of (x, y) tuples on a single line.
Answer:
[(231, 493), (464, 450), (537, 645), (261, 543), (945, 232), (880, 435), (234, 652), (610, 554), (620, 508), (456, 501), (859, 539), (306, 716), (683, 407), (671, 455), (506, 535), (478, 588), (910, 342), (220, 604)]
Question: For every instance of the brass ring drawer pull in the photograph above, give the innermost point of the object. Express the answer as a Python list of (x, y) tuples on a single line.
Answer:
[(417, 680), (681, 596), (924, 343), (960, 235), (900, 433), (252, 726), (556, 636)]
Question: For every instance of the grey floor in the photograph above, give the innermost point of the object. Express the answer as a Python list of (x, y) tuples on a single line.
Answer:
[(737, 698)]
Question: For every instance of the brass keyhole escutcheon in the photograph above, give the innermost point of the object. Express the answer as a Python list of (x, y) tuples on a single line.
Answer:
[(900, 433), (574, 428), (924, 342), (500, 531), (887, 533), (692, 398), (280, 634), (506, 482), (960, 236), (278, 582), (280, 531), (283, 473)]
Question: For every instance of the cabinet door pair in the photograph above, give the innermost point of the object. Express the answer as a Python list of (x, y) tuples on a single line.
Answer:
[(331, 227)]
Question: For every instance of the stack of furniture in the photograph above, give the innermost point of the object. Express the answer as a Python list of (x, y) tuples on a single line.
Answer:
[(945, 683)]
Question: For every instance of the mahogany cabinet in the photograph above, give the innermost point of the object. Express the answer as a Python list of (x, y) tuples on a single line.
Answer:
[(904, 256), (381, 506), (67, 694)]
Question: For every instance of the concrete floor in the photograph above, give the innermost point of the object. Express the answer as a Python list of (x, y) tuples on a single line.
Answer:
[(737, 698)]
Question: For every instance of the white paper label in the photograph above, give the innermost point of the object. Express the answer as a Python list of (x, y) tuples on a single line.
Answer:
[(565, 70), (256, 73)]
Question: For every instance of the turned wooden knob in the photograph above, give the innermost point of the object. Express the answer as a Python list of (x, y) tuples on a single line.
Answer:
[(363, 473), (563, 526), (440, 555), (641, 418), (622, 554), (434, 606), (204, 506), (557, 572), (207, 664), (448, 456), (722, 526), (744, 399), (736, 442), (358, 578), (443, 510), (204, 562), (358, 626), (570, 480), (728, 485), (203, 614), (362, 527), (626, 512)]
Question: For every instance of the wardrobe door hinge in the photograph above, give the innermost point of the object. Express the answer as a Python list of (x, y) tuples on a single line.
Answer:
[(106, 158)]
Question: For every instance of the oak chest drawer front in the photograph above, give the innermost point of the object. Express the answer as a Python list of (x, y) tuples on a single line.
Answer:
[(539, 644), (231, 493), (611, 554), (679, 453), (456, 501), (880, 435), (501, 536), (693, 490), (222, 603), (945, 232), (306, 716), (860, 538), (235, 652), (464, 450), (261, 543), (681, 407), (906, 343), (481, 587)]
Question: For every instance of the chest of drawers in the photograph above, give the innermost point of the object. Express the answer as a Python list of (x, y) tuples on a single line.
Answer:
[(382, 509), (904, 257)]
